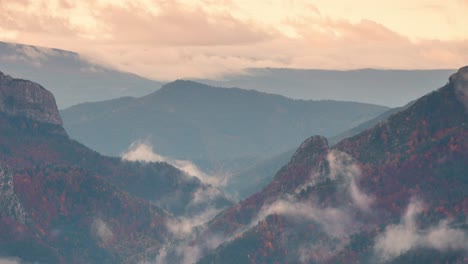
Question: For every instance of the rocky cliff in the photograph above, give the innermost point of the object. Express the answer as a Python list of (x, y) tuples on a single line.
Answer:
[(460, 81), (27, 99)]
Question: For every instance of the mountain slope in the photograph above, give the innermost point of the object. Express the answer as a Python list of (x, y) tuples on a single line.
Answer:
[(396, 193), (71, 78), (64, 203), (192, 121), (254, 178)]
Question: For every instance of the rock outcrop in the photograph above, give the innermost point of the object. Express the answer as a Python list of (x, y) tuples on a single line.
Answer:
[(27, 99), (10, 205), (460, 81)]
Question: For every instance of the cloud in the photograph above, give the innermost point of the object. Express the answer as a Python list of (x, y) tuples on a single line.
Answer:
[(343, 165), (141, 151), (207, 39), (406, 236), (9, 261), (183, 227), (338, 223), (335, 222), (102, 231), (32, 55)]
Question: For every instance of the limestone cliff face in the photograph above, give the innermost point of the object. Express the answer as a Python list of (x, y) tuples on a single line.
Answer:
[(27, 99)]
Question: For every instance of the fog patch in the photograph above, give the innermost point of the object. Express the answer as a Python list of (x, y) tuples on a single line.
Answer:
[(102, 231), (184, 226), (9, 261), (35, 56), (334, 221), (405, 236), (143, 151), (343, 165), (188, 253)]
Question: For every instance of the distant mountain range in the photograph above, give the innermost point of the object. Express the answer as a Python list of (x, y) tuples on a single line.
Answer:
[(392, 88), (71, 78), (395, 193), (74, 79), (61, 202), (209, 125)]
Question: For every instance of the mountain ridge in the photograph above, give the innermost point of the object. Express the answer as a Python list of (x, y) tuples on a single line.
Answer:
[(217, 118), (349, 199), (64, 203)]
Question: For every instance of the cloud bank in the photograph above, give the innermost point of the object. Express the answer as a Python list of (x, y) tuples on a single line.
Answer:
[(206, 39)]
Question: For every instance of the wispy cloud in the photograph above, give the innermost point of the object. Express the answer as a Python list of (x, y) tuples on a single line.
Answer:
[(343, 165), (143, 151), (334, 221), (102, 231), (9, 261), (401, 238)]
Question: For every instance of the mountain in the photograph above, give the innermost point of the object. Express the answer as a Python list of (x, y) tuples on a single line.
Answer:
[(395, 193), (70, 77), (61, 202), (192, 121), (366, 125), (254, 178), (383, 87)]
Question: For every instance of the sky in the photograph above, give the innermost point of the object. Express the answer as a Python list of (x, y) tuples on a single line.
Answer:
[(166, 40)]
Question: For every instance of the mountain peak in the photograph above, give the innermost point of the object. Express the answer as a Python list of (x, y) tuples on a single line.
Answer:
[(27, 99), (314, 144), (184, 84), (460, 82)]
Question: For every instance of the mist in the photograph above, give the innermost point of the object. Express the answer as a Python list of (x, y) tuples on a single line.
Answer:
[(401, 238), (144, 151)]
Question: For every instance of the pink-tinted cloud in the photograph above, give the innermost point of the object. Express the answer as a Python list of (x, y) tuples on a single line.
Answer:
[(177, 39)]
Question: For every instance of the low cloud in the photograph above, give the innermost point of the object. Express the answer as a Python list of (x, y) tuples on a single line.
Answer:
[(187, 252), (343, 165), (406, 236), (9, 261), (102, 231), (34, 56), (335, 222), (338, 224), (142, 151), (208, 39), (183, 227)]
